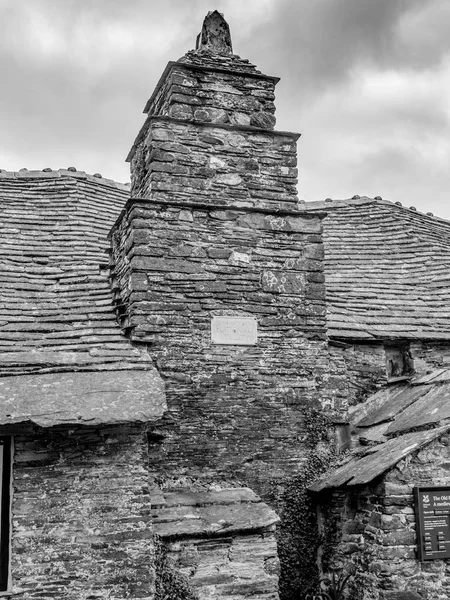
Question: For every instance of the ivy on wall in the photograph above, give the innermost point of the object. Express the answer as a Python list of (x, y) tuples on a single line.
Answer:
[(170, 585), (298, 535)]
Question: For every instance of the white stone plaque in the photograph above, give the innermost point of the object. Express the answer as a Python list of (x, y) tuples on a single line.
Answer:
[(237, 331)]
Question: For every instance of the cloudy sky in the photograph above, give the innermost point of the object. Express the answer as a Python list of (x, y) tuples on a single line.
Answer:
[(366, 82)]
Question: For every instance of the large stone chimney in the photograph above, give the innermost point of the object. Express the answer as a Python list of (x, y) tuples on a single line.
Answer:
[(218, 270), (209, 136)]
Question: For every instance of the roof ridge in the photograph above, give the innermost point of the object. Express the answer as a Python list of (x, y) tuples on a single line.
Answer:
[(59, 173), (360, 200)]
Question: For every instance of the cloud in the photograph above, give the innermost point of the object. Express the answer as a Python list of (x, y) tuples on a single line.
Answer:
[(320, 43), (367, 85), (79, 75), (423, 34), (376, 135), (365, 81)]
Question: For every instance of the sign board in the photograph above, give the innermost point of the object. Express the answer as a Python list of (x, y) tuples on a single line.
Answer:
[(432, 506), (238, 331)]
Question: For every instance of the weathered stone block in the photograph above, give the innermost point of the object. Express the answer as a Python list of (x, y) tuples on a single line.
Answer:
[(181, 111), (263, 119), (240, 118), (399, 538), (282, 282), (185, 99), (211, 115), (218, 253)]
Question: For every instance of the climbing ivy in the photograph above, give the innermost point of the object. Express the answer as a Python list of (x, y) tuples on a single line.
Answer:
[(170, 585), (317, 426), (298, 536)]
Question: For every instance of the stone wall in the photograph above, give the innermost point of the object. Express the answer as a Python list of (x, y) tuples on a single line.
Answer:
[(233, 410), (235, 567), (81, 526), (375, 531), (204, 162), (222, 541), (365, 364), (365, 367), (429, 356), (193, 92)]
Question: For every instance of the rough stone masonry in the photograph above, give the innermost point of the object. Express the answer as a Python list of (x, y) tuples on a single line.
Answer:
[(214, 228)]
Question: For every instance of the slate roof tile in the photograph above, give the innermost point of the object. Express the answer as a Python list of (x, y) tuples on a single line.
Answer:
[(387, 270), (56, 308), (360, 470), (396, 421)]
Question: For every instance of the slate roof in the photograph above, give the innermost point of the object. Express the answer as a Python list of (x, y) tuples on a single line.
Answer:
[(56, 311), (363, 468), (394, 422), (86, 397), (399, 408), (387, 271)]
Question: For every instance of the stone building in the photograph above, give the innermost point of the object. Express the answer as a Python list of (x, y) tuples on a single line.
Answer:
[(76, 398), (387, 284), (404, 435), (387, 279), (163, 345)]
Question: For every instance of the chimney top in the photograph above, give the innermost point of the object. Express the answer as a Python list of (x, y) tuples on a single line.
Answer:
[(215, 36)]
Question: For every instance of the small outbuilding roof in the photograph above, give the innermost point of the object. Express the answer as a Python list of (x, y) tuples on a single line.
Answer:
[(391, 424), (364, 466), (387, 270)]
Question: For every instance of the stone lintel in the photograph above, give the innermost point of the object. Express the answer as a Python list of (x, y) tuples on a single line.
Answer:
[(191, 67), (247, 129)]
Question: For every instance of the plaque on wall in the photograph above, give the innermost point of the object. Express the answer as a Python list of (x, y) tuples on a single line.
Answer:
[(237, 331), (432, 507)]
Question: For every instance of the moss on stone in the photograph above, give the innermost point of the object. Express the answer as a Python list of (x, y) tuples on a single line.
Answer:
[(170, 585)]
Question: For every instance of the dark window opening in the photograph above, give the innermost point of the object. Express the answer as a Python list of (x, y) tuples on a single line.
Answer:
[(5, 501), (399, 362)]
